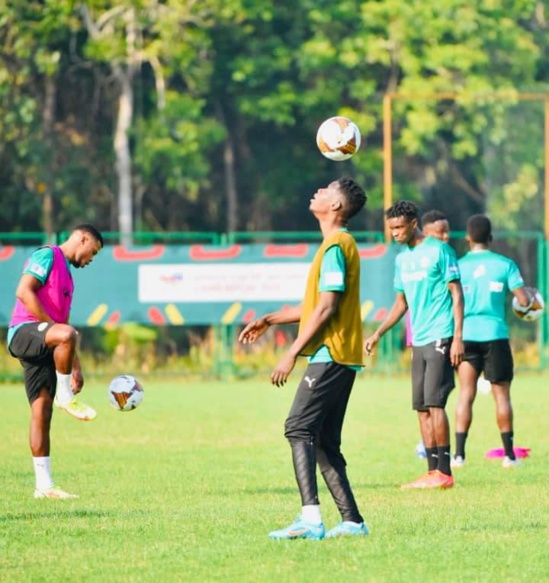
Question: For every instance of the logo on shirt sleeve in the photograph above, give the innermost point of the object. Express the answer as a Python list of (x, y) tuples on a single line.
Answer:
[(36, 269), (333, 278)]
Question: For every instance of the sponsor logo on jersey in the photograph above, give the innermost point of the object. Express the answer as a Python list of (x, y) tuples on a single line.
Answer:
[(479, 271), (496, 286)]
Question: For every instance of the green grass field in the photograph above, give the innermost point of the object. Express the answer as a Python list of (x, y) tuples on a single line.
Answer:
[(187, 487)]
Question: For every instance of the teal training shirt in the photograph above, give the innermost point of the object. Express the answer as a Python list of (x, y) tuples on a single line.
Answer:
[(486, 277), (332, 278), (39, 266), (422, 274)]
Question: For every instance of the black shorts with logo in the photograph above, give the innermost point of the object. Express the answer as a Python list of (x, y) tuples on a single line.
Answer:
[(432, 374), (494, 357), (29, 346)]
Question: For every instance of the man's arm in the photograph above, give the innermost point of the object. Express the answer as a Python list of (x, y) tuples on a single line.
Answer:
[(398, 309), (325, 309), (457, 349), (257, 328), (26, 293)]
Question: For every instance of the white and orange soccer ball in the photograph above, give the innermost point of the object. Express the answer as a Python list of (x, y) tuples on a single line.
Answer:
[(125, 393), (534, 312), (338, 138)]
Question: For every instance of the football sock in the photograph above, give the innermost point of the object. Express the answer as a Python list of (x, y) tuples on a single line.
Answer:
[(64, 391), (311, 513), (42, 472), (461, 438), (444, 460), (432, 458), (507, 439)]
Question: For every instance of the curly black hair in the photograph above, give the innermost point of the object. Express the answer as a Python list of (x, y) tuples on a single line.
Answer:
[(354, 194), (402, 208)]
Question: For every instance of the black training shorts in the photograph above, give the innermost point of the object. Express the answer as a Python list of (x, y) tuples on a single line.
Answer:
[(432, 374), (29, 346), (494, 357)]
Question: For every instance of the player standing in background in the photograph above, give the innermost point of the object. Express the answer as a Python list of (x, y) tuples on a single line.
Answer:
[(486, 277), (427, 283), (330, 334), (433, 224), (41, 338)]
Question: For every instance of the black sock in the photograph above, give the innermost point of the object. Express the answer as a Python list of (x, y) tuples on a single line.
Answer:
[(432, 459), (507, 439), (461, 438), (444, 460)]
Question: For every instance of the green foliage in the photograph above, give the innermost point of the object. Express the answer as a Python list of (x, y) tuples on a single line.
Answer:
[(260, 76)]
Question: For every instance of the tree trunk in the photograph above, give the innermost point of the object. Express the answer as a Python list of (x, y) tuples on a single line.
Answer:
[(46, 188), (230, 186), (123, 156), (229, 173)]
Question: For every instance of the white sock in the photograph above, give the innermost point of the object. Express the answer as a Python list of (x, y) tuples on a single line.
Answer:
[(311, 513), (42, 472), (64, 391)]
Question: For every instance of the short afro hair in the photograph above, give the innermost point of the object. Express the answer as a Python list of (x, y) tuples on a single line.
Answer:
[(432, 217), (479, 229), (91, 230)]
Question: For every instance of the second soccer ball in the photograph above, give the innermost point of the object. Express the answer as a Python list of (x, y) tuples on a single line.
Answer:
[(125, 393)]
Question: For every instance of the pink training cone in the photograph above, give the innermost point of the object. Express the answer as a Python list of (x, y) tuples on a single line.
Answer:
[(499, 452)]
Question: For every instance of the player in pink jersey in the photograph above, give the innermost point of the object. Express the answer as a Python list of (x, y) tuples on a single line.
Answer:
[(41, 337)]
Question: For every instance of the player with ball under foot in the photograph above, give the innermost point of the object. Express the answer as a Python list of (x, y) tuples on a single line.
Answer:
[(330, 335), (41, 337), (427, 282)]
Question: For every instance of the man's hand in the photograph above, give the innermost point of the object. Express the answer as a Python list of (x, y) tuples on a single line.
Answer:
[(77, 381), (456, 352), (370, 343), (253, 331), (283, 369)]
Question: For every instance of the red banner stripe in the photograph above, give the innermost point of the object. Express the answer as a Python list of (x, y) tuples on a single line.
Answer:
[(114, 317), (121, 253), (198, 253), (300, 250), (155, 316), (6, 253), (248, 317), (378, 250)]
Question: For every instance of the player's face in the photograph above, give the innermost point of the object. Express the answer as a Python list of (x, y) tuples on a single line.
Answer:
[(324, 198), (88, 248), (402, 230), (438, 230)]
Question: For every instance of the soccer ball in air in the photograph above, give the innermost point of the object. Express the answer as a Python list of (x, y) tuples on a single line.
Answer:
[(535, 311), (125, 393), (338, 138)]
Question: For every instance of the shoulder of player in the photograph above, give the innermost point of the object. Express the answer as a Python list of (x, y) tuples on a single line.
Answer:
[(45, 252)]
